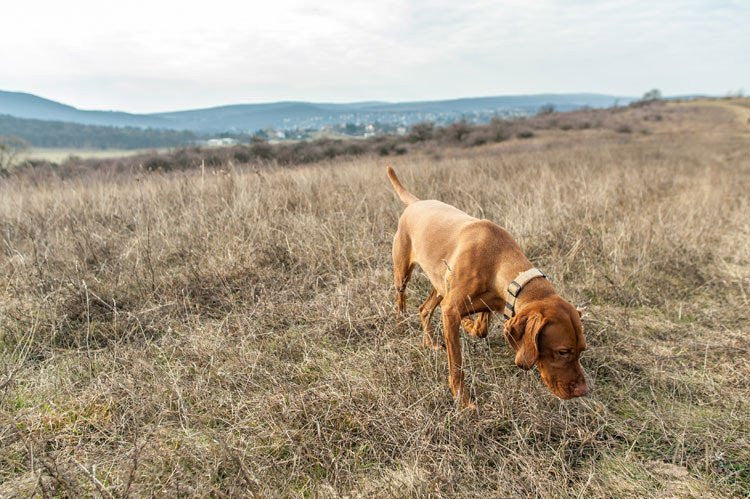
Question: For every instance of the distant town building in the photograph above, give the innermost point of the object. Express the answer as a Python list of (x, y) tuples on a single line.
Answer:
[(369, 130)]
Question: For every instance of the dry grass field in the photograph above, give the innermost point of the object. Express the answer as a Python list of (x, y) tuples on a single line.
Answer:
[(233, 333)]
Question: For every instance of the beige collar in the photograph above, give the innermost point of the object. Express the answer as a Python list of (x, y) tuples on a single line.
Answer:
[(515, 287)]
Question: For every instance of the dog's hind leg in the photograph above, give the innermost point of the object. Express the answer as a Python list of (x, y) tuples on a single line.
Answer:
[(402, 268), (478, 327), (425, 316)]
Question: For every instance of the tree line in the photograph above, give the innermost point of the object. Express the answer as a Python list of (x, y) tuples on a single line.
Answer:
[(42, 133)]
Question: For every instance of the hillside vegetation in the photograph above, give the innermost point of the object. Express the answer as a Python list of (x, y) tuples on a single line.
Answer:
[(231, 331), (41, 133), (422, 137)]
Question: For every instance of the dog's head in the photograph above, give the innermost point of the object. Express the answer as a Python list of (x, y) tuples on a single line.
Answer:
[(548, 333)]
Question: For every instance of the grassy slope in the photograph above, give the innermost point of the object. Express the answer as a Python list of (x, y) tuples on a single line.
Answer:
[(235, 332)]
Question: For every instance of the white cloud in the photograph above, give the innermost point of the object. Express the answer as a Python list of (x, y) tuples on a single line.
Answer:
[(159, 55)]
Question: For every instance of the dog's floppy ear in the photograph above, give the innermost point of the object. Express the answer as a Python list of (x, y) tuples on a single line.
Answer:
[(522, 332)]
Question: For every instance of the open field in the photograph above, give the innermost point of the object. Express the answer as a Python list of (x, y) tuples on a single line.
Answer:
[(233, 333), (59, 155)]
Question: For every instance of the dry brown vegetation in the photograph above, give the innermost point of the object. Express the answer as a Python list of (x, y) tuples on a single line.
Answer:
[(422, 138), (233, 332)]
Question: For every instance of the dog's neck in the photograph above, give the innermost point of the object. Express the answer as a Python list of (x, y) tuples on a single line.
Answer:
[(535, 289)]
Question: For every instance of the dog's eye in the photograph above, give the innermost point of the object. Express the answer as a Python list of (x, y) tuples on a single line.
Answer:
[(564, 353)]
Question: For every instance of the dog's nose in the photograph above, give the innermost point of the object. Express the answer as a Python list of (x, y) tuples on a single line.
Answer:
[(581, 390)]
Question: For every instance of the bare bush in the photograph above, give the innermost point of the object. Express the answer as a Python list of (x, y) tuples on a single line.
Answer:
[(421, 132), (10, 150)]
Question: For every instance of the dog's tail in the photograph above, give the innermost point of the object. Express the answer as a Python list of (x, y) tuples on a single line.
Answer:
[(406, 196)]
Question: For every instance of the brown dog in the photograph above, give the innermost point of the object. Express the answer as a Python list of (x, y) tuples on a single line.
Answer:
[(476, 267)]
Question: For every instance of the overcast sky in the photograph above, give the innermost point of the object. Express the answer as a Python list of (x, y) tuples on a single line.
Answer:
[(162, 55)]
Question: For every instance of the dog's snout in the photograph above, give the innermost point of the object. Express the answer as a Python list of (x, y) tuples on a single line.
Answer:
[(581, 389)]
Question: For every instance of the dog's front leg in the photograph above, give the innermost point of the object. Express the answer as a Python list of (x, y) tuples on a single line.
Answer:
[(451, 323), (478, 327)]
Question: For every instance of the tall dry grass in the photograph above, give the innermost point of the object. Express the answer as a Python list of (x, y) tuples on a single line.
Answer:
[(232, 333)]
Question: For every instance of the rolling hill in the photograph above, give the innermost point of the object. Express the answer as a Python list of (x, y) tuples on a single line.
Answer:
[(23, 105), (293, 114)]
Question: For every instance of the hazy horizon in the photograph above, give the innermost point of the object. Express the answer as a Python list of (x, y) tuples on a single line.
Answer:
[(363, 101), (148, 57)]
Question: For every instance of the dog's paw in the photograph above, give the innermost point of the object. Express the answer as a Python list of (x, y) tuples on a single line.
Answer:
[(431, 344), (469, 406)]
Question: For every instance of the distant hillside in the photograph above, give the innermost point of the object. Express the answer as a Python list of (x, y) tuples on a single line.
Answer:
[(292, 115), (40, 133), (23, 105)]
